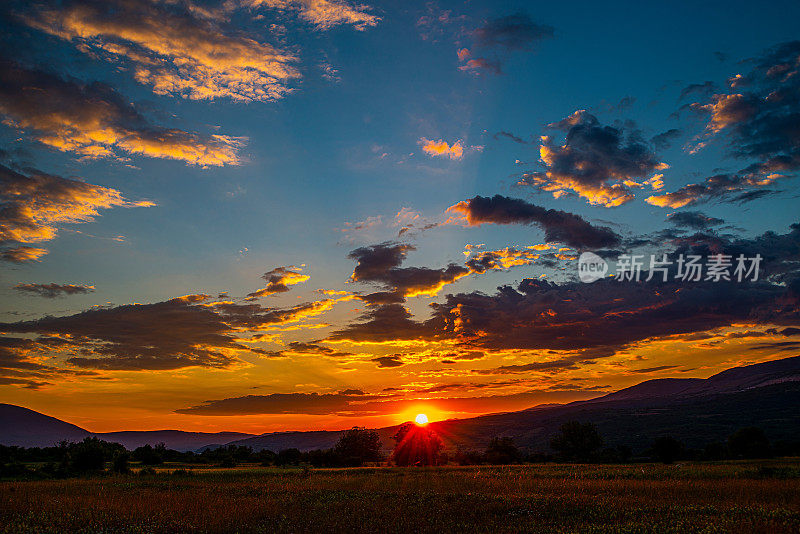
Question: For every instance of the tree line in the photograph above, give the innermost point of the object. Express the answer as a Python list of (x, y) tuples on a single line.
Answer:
[(413, 445)]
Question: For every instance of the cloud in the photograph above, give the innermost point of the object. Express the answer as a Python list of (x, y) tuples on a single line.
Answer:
[(758, 120), (20, 363), (51, 291), (298, 348), (664, 140), (512, 32), (22, 254), (386, 324), (93, 120), (324, 14), (32, 207), (591, 321), (599, 163), (719, 187), (343, 403), (279, 280), (443, 149), (381, 264), (188, 331), (281, 403), (480, 65), (693, 219), (558, 225), (500, 37), (173, 48), (509, 135), (388, 362)]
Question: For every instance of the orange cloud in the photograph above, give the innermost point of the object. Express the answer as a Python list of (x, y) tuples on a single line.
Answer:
[(442, 148), (177, 51), (93, 120), (324, 14), (22, 254), (279, 280), (35, 205)]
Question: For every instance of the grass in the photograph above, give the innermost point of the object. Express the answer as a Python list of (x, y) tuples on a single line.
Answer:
[(724, 497)]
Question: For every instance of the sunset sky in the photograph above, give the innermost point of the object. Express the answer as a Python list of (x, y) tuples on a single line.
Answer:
[(261, 215)]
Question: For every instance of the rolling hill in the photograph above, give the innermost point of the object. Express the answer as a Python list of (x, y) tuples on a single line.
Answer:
[(695, 411)]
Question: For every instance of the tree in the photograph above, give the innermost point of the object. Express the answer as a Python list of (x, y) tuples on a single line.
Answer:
[(119, 463), (288, 457), (358, 445), (750, 442), (148, 455), (577, 441), (416, 445), (502, 451), (87, 455), (667, 449)]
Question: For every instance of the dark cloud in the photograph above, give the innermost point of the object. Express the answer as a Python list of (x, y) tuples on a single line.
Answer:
[(33, 205), (509, 135), (599, 163), (22, 254), (51, 291), (512, 32), (93, 120), (665, 139), (395, 360), (596, 320), (558, 226), (390, 322), (381, 264), (705, 89), (281, 403), (758, 118), (182, 332), (717, 187), (279, 280), (693, 219), (297, 348), (653, 369)]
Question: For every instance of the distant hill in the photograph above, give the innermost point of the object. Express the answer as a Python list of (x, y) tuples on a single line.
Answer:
[(693, 410), (172, 439), (27, 428)]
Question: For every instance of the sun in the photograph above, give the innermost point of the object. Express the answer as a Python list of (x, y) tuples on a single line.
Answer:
[(421, 419)]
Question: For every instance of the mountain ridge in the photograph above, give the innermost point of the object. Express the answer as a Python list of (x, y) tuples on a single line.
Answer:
[(692, 409)]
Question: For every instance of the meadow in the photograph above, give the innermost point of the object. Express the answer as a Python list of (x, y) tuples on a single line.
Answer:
[(754, 496)]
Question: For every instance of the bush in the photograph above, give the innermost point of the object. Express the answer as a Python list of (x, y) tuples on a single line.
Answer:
[(358, 445), (502, 451), (667, 449), (119, 464), (577, 441), (750, 443)]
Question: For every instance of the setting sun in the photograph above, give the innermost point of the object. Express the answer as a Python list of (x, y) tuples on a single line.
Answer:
[(421, 419)]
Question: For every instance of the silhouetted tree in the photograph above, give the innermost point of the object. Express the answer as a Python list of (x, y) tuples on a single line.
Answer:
[(416, 445), (148, 455), (358, 445), (119, 463), (750, 442), (577, 441), (288, 457), (87, 455), (502, 451), (667, 449)]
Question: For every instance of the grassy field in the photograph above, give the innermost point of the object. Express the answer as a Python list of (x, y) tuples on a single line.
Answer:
[(725, 497)]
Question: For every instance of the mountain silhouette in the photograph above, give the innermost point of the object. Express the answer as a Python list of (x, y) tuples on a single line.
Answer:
[(696, 411)]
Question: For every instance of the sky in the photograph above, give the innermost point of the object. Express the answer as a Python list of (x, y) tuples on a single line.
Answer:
[(266, 215)]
